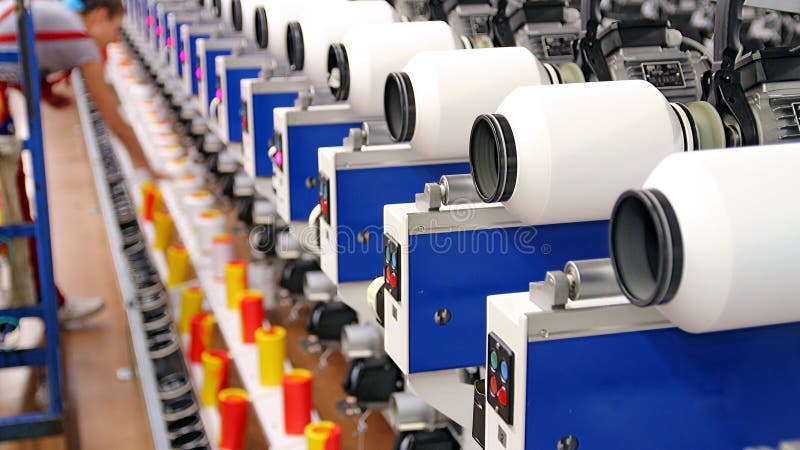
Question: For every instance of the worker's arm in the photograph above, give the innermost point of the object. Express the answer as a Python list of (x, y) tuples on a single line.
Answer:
[(94, 76)]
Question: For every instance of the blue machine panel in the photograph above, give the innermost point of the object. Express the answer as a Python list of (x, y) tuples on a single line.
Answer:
[(373, 188), (194, 62), (174, 34), (151, 25), (234, 90), (666, 389), (264, 126), (210, 78), (477, 264), (178, 43), (163, 28), (303, 143)]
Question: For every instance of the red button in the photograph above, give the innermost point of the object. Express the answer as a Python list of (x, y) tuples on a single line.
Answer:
[(502, 396), (493, 385), (391, 279)]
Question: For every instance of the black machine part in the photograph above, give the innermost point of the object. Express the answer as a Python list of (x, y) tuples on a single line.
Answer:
[(244, 211), (440, 439), (263, 238), (228, 182), (327, 320), (373, 380), (503, 26), (294, 272), (725, 87), (590, 55)]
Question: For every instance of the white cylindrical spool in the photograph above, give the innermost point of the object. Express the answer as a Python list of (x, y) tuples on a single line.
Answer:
[(165, 138), (434, 100), (158, 126), (197, 202), (186, 184), (371, 52), (261, 276), (248, 16), (168, 152), (226, 12), (548, 164), (310, 36), (712, 238), (221, 254), (270, 20), (177, 167), (210, 224)]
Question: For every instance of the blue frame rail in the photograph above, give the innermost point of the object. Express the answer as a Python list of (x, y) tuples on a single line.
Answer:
[(49, 422)]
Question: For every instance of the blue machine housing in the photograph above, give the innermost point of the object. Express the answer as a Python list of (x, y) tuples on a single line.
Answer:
[(666, 389), (175, 34), (194, 62), (303, 142), (477, 264), (153, 16), (163, 24), (360, 197), (210, 78), (264, 126), (234, 90)]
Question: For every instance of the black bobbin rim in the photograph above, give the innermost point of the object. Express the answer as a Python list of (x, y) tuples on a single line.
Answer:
[(646, 247), (236, 15), (399, 106), (493, 158), (337, 59), (294, 45), (262, 27)]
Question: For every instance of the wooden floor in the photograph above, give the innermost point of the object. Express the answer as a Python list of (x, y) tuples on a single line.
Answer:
[(108, 412)]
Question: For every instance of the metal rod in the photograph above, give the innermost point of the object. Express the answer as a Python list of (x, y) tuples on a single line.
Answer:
[(30, 80)]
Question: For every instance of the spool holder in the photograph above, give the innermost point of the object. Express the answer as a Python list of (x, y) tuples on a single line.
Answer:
[(580, 280), (450, 190)]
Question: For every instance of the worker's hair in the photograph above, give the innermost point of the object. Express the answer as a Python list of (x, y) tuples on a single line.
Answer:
[(86, 6)]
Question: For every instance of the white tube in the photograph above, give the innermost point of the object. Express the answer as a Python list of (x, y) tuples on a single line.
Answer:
[(210, 224), (270, 27), (197, 202), (446, 90), (726, 238), (567, 152), (324, 25), (374, 51), (226, 9), (249, 14)]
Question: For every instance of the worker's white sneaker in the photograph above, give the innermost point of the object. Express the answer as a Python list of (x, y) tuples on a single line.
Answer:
[(74, 311)]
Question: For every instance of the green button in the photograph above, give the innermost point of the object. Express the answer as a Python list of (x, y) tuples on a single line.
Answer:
[(493, 360)]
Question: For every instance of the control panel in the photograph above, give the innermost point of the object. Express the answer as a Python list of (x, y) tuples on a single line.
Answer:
[(325, 197), (391, 266), (500, 378)]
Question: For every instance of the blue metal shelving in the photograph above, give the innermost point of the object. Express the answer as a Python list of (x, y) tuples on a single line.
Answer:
[(49, 422)]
